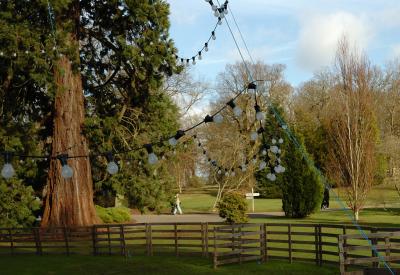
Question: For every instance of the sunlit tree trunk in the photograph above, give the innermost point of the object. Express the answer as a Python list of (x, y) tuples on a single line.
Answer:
[(69, 202)]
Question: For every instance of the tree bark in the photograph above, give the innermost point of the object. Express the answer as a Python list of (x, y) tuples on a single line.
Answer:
[(69, 202)]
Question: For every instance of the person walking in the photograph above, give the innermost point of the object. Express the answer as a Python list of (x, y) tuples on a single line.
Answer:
[(177, 205)]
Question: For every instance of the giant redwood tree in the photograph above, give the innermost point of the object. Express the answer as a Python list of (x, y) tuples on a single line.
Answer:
[(62, 61)]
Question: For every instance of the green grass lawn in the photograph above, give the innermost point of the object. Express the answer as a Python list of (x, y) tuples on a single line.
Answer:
[(138, 264)]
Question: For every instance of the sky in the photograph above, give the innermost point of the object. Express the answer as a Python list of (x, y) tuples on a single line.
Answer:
[(302, 34)]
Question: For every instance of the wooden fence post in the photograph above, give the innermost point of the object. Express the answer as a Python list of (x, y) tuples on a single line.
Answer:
[(239, 240), (11, 241), (265, 243), (345, 244), (290, 242), (206, 239), (122, 239), (373, 248), (387, 244), (215, 248), (176, 239), (342, 257), (203, 241), (316, 239), (261, 235), (109, 239), (66, 239), (94, 239), (36, 235), (320, 245)]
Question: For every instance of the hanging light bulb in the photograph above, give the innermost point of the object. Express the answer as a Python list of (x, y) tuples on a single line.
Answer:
[(112, 167), (253, 136), (218, 118), (264, 152), (216, 13), (173, 141), (219, 172), (233, 172), (226, 9), (254, 159), (194, 60), (219, 21), (251, 87), (274, 149), (221, 13), (214, 7), (152, 158), (200, 56), (206, 47), (236, 109), (243, 167), (271, 176), (187, 61), (226, 172), (66, 170), (213, 35), (260, 116), (7, 171), (280, 140), (284, 126), (273, 141), (262, 165)]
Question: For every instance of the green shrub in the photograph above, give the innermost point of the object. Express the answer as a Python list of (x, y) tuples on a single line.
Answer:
[(113, 214), (233, 207), (302, 186)]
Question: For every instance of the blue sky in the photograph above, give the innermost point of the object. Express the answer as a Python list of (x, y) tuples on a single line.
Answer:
[(302, 34)]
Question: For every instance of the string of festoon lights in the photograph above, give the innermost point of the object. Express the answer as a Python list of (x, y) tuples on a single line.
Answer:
[(220, 13), (112, 168)]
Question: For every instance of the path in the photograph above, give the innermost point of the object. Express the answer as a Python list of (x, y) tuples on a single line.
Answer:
[(195, 217)]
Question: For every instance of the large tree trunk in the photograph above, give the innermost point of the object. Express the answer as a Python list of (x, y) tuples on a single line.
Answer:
[(69, 202)]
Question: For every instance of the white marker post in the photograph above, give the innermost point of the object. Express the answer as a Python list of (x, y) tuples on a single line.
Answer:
[(250, 196)]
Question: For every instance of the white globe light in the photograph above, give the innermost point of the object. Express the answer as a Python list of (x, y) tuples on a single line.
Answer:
[(219, 172), (244, 168), (112, 168), (226, 11), (280, 140), (214, 7), (67, 172), (264, 152), (222, 15), (262, 165), (153, 158), (237, 111), (279, 151), (273, 141), (260, 116), (216, 13), (254, 161), (218, 118), (7, 171), (284, 126), (233, 173), (272, 177), (253, 136), (274, 149), (172, 141), (283, 169), (278, 160), (226, 174), (277, 169)]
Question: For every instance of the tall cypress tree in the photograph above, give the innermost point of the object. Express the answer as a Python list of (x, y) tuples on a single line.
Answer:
[(58, 57), (300, 185)]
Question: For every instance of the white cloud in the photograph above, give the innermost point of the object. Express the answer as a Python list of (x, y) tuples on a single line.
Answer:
[(319, 36)]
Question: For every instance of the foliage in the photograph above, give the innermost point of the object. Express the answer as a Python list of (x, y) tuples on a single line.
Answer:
[(123, 54), (17, 204), (300, 184), (233, 207), (114, 214)]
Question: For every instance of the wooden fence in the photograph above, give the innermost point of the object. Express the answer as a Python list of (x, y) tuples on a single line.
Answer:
[(364, 254), (317, 243)]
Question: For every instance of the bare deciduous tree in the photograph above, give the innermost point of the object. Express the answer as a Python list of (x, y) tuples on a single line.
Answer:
[(353, 129)]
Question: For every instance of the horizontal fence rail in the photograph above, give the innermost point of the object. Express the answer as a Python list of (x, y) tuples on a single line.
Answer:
[(356, 252), (225, 243)]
